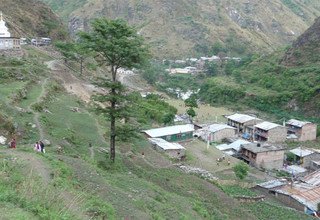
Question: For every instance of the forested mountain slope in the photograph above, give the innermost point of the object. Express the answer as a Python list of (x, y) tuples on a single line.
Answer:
[(187, 27), (289, 79)]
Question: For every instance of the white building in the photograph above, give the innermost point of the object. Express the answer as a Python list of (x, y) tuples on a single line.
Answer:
[(217, 132), (6, 41)]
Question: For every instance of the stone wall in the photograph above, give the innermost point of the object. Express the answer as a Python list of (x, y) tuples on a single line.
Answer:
[(277, 134), (222, 134), (270, 159), (308, 132)]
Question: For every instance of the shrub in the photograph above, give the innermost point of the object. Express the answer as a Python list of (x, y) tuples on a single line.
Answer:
[(241, 170)]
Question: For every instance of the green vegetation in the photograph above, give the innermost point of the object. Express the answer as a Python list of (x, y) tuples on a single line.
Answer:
[(294, 7), (151, 109), (235, 190), (270, 211), (241, 170)]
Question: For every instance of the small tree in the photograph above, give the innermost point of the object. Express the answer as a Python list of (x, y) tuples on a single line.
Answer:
[(73, 51), (116, 45), (191, 102), (241, 170)]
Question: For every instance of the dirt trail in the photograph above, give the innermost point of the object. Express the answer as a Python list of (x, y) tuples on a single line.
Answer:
[(35, 113), (71, 83), (35, 164)]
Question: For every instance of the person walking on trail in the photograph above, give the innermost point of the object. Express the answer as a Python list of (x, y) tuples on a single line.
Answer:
[(42, 146), (13, 143)]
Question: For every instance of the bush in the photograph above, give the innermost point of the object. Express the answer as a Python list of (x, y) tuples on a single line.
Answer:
[(241, 170)]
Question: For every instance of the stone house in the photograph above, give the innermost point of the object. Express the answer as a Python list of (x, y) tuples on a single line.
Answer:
[(173, 150), (304, 130), (271, 132), (305, 157), (175, 133), (263, 156), (241, 122), (217, 132)]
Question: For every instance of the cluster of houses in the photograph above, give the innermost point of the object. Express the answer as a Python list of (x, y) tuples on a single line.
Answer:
[(8, 42), (258, 143), (196, 65), (302, 194)]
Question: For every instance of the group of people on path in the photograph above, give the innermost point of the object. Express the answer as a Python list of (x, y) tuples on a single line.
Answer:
[(39, 147)]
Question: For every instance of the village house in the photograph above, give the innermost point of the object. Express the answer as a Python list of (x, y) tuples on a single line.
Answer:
[(305, 157), (305, 131), (173, 150), (271, 132), (263, 156), (217, 132), (298, 195), (242, 122), (175, 133), (6, 41)]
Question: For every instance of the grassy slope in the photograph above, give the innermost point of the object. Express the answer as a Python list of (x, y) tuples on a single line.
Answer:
[(79, 186), (176, 28)]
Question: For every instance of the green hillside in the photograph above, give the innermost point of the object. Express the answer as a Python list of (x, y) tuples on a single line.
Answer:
[(286, 80), (75, 181)]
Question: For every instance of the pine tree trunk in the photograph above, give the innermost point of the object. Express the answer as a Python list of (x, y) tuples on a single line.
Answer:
[(113, 119), (112, 136)]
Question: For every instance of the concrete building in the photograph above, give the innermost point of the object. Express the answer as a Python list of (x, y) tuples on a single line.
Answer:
[(175, 133), (6, 41), (241, 121), (174, 150), (217, 132), (304, 130), (271, 132), (263, 156), (305, 157)]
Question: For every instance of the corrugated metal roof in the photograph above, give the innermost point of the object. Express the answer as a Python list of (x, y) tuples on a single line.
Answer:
[(267, 125), (300, 152), (294, 169), (273, 184), (303, 193), (236, 145), (313, 178), (297, 123), (241, 118), (218, 127), (159, 132), (165, 145)]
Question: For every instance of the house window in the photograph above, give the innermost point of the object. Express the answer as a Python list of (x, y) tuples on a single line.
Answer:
[(179, 135), (168, 138)]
